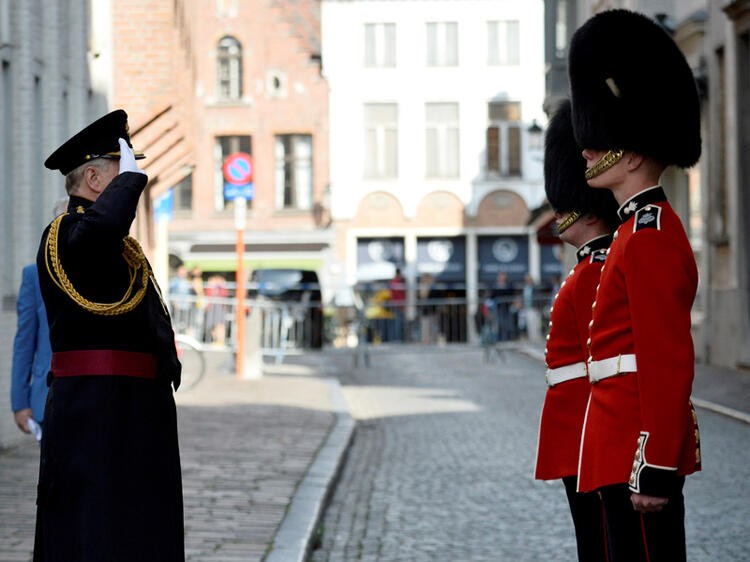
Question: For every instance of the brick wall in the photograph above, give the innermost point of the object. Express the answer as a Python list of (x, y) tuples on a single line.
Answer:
[(270, 44)]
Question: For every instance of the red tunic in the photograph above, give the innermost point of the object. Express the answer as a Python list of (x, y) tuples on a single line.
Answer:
[(565, 403), (640, 426)]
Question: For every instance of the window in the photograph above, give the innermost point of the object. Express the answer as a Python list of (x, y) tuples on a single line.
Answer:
[(381, 140), (502, 43), (504, 139), (442, 44), (6, 120), (720, 195), (183, 194), (36, 129), (380, 44), (5, 22), (441, 142), (294, 177), (7, 178), (226, 145), (226, 8), (229, 68), (561, 29)]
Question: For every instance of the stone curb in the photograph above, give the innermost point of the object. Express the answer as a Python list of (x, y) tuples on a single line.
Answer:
[(295, 535), (719, 409)]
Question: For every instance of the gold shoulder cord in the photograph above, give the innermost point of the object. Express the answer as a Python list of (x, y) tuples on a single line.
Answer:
[(133, 255)]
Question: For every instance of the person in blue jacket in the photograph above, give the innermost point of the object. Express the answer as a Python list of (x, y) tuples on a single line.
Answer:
[(31, 353)]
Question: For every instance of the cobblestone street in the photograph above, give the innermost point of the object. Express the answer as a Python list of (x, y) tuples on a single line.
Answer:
[(440, 467), (442, 459)]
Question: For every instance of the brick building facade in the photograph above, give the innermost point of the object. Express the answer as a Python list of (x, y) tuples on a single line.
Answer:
[(213, 78)]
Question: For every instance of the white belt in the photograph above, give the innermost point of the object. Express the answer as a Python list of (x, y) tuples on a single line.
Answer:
[(566, 373), (606, 368)]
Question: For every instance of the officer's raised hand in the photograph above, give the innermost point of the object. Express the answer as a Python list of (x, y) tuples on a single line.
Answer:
[(127, 158)]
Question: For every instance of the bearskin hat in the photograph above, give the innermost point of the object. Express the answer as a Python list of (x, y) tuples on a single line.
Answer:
[(564, 169), (632, 89)]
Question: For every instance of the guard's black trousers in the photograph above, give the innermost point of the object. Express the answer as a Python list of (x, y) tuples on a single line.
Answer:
[(647, 537), (588, 520)]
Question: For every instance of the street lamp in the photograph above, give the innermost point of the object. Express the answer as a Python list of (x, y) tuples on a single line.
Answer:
[(535, 135)]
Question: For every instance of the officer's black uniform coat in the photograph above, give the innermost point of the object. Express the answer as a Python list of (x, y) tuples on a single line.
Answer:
[(110, 484)]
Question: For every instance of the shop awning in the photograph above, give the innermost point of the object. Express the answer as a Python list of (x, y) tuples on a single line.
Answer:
[(250, 263)]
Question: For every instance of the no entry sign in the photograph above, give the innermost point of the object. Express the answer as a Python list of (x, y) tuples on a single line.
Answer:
[(238, 169)]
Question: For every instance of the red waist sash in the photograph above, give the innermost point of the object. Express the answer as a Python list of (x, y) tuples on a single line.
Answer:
[(104, 362)]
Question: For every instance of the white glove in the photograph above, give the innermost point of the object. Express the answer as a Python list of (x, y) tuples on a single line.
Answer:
[(127, 159)]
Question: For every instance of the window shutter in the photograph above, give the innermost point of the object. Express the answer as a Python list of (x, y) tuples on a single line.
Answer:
[(514, 150), (493, 149)]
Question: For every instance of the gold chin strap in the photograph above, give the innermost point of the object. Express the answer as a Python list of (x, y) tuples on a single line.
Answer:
[(568, 221), (611, 158), (133, 255), (113, 155)]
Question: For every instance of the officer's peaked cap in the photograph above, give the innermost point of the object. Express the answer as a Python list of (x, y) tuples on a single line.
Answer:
[(632, 89), (98, 140), (564, 169)]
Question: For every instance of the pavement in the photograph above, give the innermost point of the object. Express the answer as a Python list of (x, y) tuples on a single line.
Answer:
[(260, 457)]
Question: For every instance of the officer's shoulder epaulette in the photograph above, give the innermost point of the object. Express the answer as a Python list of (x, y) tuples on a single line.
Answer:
[(648, 217)]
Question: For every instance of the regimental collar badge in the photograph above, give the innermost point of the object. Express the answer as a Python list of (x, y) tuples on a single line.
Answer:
[(594, 246), (647, 196), (648, 217), (599, 256)]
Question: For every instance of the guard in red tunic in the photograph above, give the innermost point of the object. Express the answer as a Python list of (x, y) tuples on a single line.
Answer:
[(636, 111), (585, 219)]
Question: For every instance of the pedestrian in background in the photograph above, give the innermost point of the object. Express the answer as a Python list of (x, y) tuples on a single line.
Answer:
[(529, 312), (31, 356), (397, 302), (585, 219), (198, 315), (216, 292), (427, 308), (503, 295), (182, 297), (31, 350), (110, 483), (635, 112)]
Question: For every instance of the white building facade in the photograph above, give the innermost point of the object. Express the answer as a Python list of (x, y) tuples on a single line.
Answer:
[(436, 125)]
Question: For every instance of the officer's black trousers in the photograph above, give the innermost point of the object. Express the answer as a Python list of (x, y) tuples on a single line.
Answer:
[(588, 520), (648, 537)]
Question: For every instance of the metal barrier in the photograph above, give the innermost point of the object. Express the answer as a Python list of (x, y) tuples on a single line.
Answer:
[(291, 326), (285, 325)]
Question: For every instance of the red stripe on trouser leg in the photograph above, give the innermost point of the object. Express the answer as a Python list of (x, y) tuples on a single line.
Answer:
[(604, 529), (644, 537)]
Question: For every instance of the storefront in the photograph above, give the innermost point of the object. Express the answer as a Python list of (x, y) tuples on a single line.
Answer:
[(507, 254)]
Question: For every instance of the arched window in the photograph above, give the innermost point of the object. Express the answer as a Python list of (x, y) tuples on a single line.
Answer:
[(229, 59)]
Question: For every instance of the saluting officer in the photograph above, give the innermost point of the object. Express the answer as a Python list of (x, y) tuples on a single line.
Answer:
[(109, 482), (585, 219), (636, 111)]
